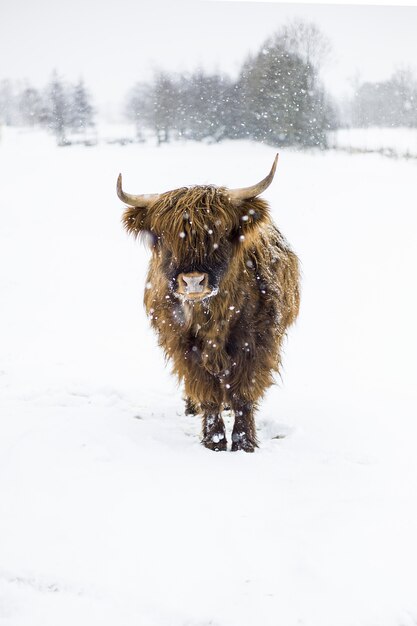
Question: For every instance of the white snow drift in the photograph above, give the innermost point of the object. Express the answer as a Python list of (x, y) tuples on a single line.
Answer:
[(111, 512)]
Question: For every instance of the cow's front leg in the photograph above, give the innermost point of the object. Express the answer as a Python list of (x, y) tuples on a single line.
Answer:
[(244, 430), (191, 407), (214, 433)]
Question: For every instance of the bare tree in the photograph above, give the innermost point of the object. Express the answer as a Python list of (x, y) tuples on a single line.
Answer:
[(7, 102), (306, 40), (278, 97), (388, 103)]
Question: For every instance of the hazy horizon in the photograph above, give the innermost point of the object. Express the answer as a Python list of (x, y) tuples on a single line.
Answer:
[(113, 46)]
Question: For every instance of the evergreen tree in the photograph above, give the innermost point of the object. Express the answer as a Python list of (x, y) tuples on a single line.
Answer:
[(163, 102), (283, 102), (202, 106), (81, 110), (56, 114), (30, 106), (278, 97), (7, 103)]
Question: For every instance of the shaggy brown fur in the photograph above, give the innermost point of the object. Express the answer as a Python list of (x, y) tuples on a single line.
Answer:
[(225, 348)]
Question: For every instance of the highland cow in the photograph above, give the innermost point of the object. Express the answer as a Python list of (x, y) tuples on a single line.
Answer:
[(222, 288)]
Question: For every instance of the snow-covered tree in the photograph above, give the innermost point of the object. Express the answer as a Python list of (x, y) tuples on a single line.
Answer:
[(30, 106), (56, 113), (7, 103), (388, 103), (202, 106), (81, 110), (278, 97), (283, 101), (139, 107)]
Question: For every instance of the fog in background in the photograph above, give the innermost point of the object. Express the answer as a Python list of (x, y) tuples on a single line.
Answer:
[(112, 45), (282, 74)]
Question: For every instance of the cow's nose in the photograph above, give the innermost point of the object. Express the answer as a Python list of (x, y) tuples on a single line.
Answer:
[(192, 282)]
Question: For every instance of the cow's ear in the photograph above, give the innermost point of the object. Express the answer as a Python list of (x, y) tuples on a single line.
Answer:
[(251, 214), (135, 220)]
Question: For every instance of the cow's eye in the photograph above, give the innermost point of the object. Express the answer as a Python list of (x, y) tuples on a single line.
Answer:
[(151, 238), (235, 235)]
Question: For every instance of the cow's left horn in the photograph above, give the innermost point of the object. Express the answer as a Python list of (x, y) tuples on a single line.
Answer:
[(251, 192), (138, 201)]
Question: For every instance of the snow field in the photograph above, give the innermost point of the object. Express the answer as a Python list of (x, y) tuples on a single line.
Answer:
[(399, 142), (110, 509)]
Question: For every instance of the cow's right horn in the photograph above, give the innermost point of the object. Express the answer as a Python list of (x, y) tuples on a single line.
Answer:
[(141, 201), (245, 193)]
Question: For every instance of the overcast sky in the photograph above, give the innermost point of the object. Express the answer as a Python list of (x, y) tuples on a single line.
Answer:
[(114, 43)]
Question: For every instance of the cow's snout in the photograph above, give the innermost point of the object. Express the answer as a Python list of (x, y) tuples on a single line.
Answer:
[(193, 285)]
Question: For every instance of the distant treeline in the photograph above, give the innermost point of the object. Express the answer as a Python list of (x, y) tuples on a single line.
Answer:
[(388, 103), (278, 97), (60, 107)]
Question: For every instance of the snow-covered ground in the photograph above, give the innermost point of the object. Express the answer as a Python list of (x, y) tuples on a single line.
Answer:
[(400, 142), (111, 512)]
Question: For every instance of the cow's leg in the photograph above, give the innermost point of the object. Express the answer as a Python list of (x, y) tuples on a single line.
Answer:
[(208, 394), (214, 433), (191, 407), (244, 430)]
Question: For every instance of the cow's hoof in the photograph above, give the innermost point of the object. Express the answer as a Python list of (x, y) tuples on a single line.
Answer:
[(246, 447), (240, 442), (216, 442), (190, 407)]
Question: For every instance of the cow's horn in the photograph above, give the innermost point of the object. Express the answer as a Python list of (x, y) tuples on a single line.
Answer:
[(139, 201), (251, 192)]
